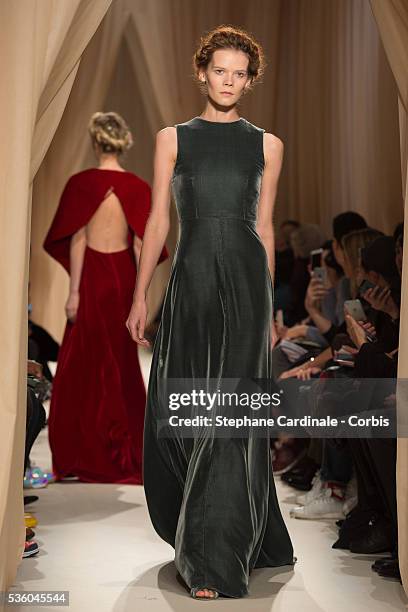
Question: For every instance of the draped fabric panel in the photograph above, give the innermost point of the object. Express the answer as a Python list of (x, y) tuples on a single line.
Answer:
[(34, 92), (61, 73), (392, 21), (337, 115)]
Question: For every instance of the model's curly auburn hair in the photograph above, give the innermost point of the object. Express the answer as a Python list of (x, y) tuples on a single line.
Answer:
[(230, 37), (111, 132)]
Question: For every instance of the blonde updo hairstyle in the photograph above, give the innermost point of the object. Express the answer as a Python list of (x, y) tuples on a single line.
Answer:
[(110, 132), (229, 37)]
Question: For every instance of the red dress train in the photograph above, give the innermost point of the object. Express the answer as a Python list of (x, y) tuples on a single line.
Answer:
[(98, 399)]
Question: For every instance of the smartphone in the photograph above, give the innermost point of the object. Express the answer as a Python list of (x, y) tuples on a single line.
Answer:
[(345, 362), (320, 273), (355, 309), (316, 258), (366, 285)]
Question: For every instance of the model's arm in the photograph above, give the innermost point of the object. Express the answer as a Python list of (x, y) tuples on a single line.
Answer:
[(157, 228), (137, 247), (273, 155), (77, 252)]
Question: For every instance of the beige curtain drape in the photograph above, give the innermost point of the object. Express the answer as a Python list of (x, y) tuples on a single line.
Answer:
[(392, 21), (40, 51), (70, 152), (337, 115)]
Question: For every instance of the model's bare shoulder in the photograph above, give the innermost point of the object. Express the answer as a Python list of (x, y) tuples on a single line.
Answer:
[(272, 142), (166, 132), (273, 147), (166, 136), (166, 141)]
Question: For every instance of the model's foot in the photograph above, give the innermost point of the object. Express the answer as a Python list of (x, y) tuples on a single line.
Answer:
[(199, 593)]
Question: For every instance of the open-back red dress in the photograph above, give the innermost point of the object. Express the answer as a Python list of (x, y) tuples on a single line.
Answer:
[(98, 400)]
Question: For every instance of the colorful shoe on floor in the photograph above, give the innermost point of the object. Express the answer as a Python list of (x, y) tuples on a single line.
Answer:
[(37, 472), (29, 534), (30, 520), (33, 482), (30, 549)]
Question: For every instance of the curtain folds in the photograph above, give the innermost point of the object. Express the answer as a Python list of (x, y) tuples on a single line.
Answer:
[(39, 59), (70, 151)]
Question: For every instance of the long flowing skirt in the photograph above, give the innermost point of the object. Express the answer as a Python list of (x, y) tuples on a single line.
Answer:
[(98, 399), (213, 499)]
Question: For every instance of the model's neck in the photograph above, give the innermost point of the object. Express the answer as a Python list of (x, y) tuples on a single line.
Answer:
[(109, 161)]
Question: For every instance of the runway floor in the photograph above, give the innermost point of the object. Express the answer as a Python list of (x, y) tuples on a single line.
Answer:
[(97, 542)]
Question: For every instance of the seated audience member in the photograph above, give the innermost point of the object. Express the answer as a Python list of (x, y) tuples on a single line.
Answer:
[(331, 303), (303, 240), (351, 244)]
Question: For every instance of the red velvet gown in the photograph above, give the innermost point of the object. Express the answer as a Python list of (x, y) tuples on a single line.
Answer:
[(98, 399)]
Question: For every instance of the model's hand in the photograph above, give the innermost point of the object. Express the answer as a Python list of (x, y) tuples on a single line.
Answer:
[(71, 306), (136, 322)]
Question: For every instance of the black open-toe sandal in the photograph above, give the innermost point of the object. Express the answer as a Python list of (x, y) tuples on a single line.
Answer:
[(194, 592)]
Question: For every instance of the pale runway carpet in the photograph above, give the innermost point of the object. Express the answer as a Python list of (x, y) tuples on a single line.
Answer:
[(97, 543)]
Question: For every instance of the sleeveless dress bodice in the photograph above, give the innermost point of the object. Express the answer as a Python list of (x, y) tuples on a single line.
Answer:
[(218, 171)]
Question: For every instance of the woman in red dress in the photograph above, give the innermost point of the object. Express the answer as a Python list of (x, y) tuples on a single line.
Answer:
[(98, 400)]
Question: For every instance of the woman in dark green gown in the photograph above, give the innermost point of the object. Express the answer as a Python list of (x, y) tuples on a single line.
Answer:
[(213, 498)]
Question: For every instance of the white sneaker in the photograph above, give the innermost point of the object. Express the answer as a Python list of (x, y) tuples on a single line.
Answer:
[(324, 506), (317, 486)]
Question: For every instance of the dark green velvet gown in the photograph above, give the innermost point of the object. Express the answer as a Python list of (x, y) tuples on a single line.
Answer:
[(213, 499)]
